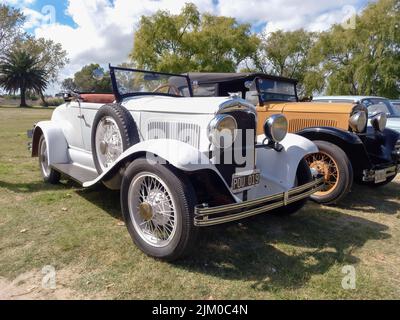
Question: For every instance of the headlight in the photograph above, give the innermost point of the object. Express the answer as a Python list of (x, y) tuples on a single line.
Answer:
[(222, 131), (379, 122), (358, 121), (276, 127)]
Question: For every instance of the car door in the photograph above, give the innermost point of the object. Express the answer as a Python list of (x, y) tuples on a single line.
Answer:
[(72, 125), (88, 113)]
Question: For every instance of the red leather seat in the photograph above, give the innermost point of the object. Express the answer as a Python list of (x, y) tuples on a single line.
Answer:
[(98, 98)]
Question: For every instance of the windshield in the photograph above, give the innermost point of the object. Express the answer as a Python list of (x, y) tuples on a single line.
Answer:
[(377, 105), (131, 82), (275, 90)]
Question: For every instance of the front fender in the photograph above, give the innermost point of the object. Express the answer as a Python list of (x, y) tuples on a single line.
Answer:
[(57, 146), (179, 154), (281, 167), (349, 142)]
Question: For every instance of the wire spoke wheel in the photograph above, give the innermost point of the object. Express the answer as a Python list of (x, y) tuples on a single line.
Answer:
[(152, 209), (108, 141), (326, 166)]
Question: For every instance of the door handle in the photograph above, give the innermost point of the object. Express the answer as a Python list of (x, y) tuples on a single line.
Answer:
[(81, 116)]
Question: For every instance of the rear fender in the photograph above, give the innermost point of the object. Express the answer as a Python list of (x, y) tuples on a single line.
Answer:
[(57, 146)]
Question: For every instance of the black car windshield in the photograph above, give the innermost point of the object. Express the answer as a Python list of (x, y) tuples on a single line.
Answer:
[(131, 82), (377, 105), (276, 90)]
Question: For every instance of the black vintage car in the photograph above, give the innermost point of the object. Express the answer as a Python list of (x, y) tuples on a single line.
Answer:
[(350, 148)]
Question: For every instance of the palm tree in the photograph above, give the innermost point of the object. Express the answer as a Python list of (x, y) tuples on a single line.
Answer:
[(19, 70)]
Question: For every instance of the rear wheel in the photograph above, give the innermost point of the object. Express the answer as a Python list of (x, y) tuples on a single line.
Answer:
[(335, 166), (158, 208), (49, 175)]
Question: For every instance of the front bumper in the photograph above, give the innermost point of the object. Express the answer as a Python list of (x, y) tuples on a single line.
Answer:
[(206, 216), (380, 175)]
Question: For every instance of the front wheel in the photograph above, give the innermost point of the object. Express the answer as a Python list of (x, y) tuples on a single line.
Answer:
[(158, 207), (335, 166)]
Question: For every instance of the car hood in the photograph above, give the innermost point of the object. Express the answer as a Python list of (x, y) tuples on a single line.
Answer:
[(195, 105), (311, 107), (394, 123)]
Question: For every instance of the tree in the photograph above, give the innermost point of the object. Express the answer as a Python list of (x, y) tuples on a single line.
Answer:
[(85, 82), (69, 85), (11, 21), (190, 41), (50, 55), (19, 70), (364, 60), (285, 54)]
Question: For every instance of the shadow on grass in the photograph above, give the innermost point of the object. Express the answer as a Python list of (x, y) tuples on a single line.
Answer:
[(272, 251), (35, 186), (104, 199), (373, 200), (282, 252)]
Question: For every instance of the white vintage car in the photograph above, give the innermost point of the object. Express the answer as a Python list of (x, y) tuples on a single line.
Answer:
[(180, 162)]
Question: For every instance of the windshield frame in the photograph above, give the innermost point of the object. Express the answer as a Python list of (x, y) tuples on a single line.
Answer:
[(288, 81), (119, 97)]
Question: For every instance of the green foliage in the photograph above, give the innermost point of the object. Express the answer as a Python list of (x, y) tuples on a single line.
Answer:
[(52, 102), (51, 56), (285, 54), (190, 41), (69, 85), (20, 70), (85, 82), (11, 21), (360, 61)]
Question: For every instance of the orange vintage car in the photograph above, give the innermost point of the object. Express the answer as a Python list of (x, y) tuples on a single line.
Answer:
[(350, 149)]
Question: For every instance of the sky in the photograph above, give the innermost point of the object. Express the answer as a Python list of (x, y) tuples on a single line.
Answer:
[(101, 31)]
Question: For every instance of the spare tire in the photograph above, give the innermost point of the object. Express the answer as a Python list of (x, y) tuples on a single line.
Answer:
[(113, 131)]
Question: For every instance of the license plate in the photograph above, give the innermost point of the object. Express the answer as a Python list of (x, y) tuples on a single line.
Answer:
[(241, 182), (380, 176)]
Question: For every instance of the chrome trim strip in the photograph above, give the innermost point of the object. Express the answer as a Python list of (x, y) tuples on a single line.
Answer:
[(202, 213)]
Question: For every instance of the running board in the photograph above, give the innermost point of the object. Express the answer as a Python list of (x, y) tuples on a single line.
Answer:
[(75, 172)]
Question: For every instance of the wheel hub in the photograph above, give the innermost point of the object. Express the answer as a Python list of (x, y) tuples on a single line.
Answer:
[(322, 168), (146, 211), (103, 147)]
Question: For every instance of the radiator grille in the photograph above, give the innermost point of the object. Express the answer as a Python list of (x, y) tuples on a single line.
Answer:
[(181, 131), (296, 125)]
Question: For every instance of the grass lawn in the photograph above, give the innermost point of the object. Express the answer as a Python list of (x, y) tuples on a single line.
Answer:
[(81, 234)]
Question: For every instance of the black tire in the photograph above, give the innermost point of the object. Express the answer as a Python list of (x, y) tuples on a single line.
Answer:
[(49, 175), (181, 191), (344, 170), (126, 126), (303, 176)]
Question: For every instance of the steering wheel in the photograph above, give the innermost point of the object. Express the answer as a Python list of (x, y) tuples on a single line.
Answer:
[(170, 87)]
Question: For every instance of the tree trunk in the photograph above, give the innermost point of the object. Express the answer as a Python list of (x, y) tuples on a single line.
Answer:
[(23, 97), (44, 102)]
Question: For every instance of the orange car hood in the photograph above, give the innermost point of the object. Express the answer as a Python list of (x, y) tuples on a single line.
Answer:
[(308, 107)]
